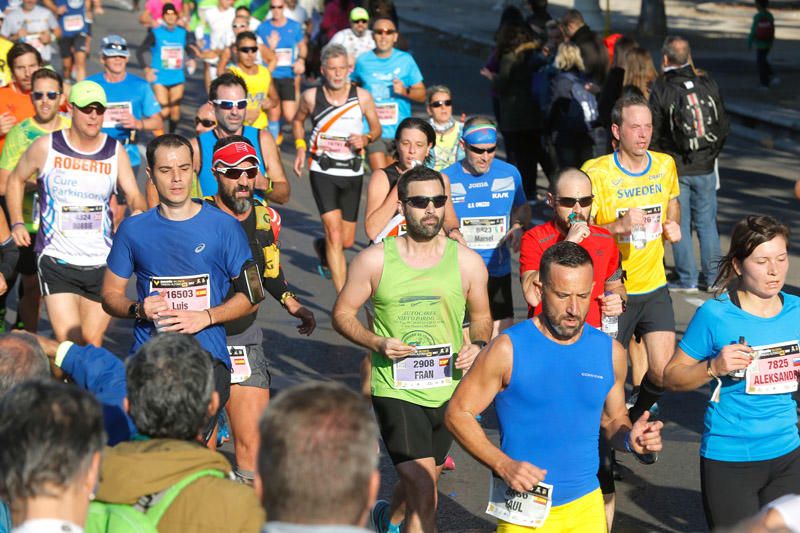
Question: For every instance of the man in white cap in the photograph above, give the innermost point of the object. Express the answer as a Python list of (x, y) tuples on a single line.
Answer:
[(76, 171)]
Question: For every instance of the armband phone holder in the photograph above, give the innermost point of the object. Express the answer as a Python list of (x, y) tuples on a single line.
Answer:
[(249, 282)]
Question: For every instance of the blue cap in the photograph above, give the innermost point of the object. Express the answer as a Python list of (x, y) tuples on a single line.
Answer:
[(114, 46)]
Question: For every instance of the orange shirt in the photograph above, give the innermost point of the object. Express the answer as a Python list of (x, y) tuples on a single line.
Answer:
[(16, 103)]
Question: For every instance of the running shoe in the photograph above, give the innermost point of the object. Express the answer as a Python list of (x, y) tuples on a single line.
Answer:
[(449, 463), (686, 289), (319, 249), (223, 431), (380, 516)]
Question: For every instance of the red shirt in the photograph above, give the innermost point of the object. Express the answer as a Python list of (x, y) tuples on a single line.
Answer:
[(600, 245)]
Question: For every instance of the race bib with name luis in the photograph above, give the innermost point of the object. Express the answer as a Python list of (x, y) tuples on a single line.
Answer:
[(429, 367), (79, 219), (184, 293), (484, 233), (774, 369), (652, 223), (387, 113), (172, 57), (240, 364), (284, 56), (529, 509)]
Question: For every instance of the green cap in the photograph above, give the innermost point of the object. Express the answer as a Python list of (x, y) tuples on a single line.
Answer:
[(359, 13), (87, 92)]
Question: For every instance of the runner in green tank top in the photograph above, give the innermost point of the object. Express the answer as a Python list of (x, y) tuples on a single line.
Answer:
[(420, 285)]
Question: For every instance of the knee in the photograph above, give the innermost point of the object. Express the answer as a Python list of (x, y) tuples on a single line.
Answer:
[(334, 236), (420, 489)]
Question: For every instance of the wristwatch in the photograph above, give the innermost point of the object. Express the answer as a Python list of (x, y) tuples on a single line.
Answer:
[(136, 310), (480, 343)]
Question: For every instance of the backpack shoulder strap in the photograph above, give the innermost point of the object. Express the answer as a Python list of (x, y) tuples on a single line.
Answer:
[(155, 513)]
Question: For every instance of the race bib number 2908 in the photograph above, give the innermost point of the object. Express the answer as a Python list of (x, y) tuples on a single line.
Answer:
[(430, 366)]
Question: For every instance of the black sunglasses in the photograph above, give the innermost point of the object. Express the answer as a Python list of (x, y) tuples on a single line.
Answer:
[(234, 173), (441, 103), (51, 95), (97, 108), (480, 151), (364, 21), (384, 32), (248, 49), (206, 122), (421, 202), (567, 201)]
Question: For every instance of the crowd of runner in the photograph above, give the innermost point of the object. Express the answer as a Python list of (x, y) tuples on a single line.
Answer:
[(90, 441)]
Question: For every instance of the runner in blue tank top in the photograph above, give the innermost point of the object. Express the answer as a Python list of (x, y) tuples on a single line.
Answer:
[(555, 382)]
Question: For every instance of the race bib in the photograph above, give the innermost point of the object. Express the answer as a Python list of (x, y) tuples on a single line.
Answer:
[(652, 223), (395, 228), (774, 369), (429, 367), (184, 293), (484, 233), (387, 113), (172, 57), (115, 112), (529, 509), (284, 56), (81, 219), (240, 364), (333, 144), (73, 22)]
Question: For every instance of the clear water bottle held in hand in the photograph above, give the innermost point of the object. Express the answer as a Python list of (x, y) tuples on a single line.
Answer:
[(740, 374), (610, 324), (638, 236)]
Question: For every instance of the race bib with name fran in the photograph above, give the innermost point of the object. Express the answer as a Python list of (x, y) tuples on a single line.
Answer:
[(240, 364), (115, 111), (81, 219), (529, 509), (172, 57), (652, 223), (387, 113), (429, 367), (484, 233), (184, 293), (774, 369)]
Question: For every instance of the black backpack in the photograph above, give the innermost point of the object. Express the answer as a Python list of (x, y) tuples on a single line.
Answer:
[(695, 116)]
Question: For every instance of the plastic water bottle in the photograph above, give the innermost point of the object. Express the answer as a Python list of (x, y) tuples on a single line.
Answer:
[(610, 324), (638, 236)]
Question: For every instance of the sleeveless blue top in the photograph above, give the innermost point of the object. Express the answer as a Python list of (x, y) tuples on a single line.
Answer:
[(206, 141), (550, 412)]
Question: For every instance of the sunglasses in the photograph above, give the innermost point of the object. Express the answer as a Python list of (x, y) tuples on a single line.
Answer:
[(248, 49), (384, 32), (277, 7), (206, 122), (97, 108), (239, 26), (51, 95), (441, 103), (421, 202), (566, 201), (230, 104), (480, 151), (360, 21), (234, 173), (116, 47)]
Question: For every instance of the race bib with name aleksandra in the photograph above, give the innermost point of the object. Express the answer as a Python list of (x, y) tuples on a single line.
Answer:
[(774, 369)]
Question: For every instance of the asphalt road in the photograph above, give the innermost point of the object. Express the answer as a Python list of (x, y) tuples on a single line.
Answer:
[(663, 497)]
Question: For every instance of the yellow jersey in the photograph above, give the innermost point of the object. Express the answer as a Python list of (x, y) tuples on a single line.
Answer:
[(257, 91), (5, 71), (615, 191)]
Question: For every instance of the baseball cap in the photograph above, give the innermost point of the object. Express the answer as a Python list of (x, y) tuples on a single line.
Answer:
[(114, 46), (87, 92), (359, 13), (169, 6), (234, 153)]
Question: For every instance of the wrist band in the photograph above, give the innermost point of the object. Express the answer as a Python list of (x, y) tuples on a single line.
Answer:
[(210, 320), (300, 144), (15, 224)]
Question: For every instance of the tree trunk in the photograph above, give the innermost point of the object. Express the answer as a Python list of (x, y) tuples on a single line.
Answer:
[(652, 19)]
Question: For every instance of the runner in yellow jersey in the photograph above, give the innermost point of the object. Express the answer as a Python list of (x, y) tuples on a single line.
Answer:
[(261, 92), (636, 199)]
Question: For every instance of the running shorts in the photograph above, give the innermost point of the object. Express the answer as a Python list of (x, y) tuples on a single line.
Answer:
[(285, 89), (646, 313), (57, 276), (71, 45), (584, 515), (410, 431), (260, 377), (500, 301), (26, 264), (337, 192)]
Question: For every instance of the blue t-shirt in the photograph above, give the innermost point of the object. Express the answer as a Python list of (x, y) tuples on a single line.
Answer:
[(73, 20), (211, 244), (291, 35), (169, 55), (483, 205), (741, 426), (133, 93), (376, 75)]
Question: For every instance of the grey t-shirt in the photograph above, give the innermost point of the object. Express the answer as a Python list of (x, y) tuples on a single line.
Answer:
[(36, 21)]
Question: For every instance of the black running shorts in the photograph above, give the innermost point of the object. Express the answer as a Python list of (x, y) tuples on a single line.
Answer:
[(337, 192), (411, 431), (646, 313), (57, 277), (285, 89), (500, 302)]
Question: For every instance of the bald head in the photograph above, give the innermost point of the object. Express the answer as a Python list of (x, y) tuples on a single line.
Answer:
[(676, 51), (21, 359), (570, 178)]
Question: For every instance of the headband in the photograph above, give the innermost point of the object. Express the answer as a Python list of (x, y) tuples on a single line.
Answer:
[(480, 134)]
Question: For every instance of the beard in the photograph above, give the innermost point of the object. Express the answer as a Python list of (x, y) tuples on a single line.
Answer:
[(558, 329), (417, 230), (237, 205)]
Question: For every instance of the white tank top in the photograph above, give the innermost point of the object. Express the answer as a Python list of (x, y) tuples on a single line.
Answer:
[(333, 125), (74, 190)]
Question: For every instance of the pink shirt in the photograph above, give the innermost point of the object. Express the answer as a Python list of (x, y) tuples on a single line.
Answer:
[(155, 7)]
